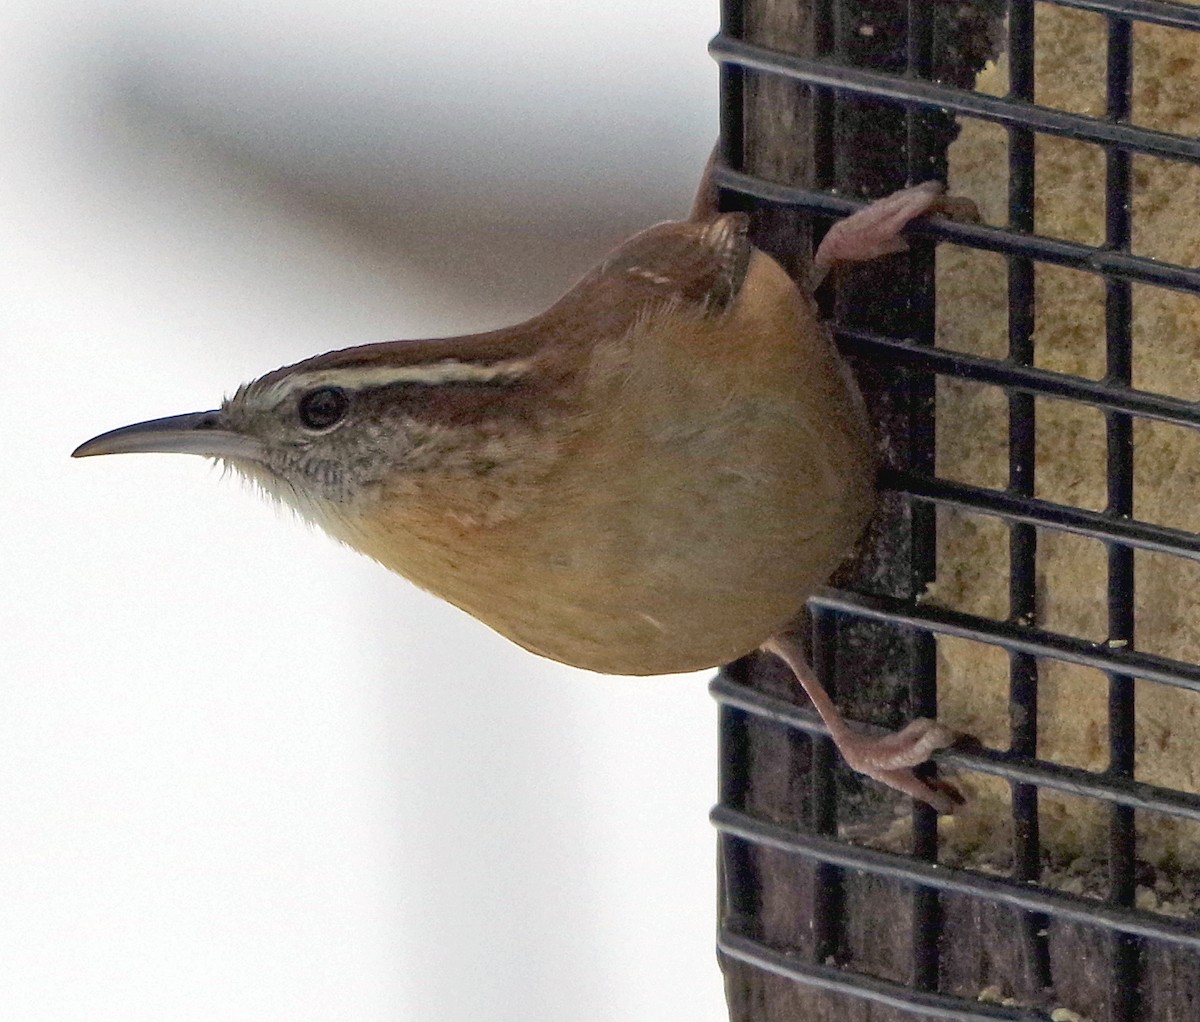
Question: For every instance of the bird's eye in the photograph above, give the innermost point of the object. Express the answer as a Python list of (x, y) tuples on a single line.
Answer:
[(323, 407)]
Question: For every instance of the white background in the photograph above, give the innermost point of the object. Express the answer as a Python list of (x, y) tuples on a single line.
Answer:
[(244, 773)]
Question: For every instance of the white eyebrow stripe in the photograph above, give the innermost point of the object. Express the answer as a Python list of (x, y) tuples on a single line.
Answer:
[(429, 374)]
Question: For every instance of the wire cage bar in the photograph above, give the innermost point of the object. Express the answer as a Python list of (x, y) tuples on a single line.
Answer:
[(910, 86)]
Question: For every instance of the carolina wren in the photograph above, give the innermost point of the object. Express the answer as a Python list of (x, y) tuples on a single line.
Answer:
[(649, 477)]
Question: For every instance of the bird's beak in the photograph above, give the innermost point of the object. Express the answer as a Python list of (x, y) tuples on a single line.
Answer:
[(195, 433)]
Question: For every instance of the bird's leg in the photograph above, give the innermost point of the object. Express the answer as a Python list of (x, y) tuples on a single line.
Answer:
[(874, 230), (706, 204), (887, 758)]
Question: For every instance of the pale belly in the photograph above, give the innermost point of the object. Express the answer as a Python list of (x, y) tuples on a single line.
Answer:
[(718, 477), (683, 562), (715, 589)]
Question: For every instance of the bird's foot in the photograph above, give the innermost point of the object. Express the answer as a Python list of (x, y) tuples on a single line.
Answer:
[(889, 758), (874, 230)]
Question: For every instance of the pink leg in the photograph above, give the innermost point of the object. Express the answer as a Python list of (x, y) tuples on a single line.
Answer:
[(705, 205), (874, 230), (888, 758)]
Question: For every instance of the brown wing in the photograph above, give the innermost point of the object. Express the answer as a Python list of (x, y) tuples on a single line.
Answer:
[(685, 264)]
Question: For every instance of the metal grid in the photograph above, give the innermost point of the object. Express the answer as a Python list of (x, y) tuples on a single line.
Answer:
[(1016, 505)]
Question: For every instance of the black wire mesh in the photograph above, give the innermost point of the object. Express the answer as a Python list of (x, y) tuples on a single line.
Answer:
[(912, 91)]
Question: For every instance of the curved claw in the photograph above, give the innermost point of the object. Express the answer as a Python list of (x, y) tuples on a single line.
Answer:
[(890, 759), (957, 208), (935, 791)]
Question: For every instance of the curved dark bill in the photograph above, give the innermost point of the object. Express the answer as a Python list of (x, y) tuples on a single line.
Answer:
[(194, 433)]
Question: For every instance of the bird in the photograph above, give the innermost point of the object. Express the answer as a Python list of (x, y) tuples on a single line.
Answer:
[(650, 477)]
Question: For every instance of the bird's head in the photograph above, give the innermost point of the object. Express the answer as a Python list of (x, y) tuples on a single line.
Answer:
[(339, 433)]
